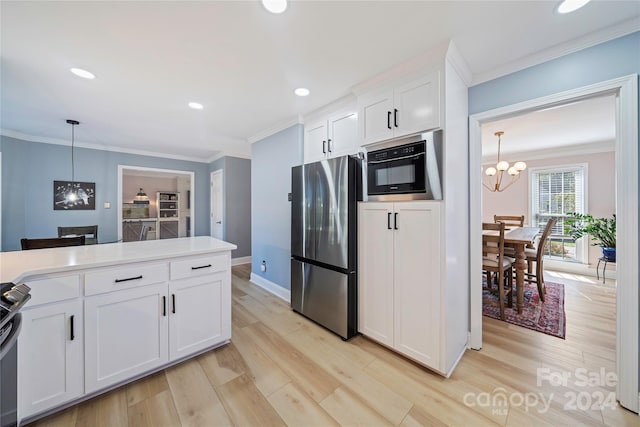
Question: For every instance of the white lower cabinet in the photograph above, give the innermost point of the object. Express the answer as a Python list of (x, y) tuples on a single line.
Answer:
[(50, 348), (399, 283), (126, 321), (126, 334), (198, 318)]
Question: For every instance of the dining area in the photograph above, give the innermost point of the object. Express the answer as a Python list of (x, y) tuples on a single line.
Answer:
[(513, 264)]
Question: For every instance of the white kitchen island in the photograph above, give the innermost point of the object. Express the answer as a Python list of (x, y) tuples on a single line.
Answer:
[(103, 315)]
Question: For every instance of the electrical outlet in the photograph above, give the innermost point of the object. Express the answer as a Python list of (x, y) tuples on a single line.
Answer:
[(107, 205), (263, 266), (289, 197)]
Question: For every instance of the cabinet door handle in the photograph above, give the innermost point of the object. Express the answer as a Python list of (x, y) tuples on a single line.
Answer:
[(329, 144), (164, 305), (395, 117), (201, 266), (395, 221), (388, 220), (324, 147), (389, 119), (173, 303), (72, 334), (128, 279)]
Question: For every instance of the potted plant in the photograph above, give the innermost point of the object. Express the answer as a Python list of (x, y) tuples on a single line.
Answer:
[(601, 230)]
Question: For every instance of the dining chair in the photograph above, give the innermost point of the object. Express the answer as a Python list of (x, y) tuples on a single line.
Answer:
[(494, 261), (510, 220), (55, 242), (537, 255), (89, 231)]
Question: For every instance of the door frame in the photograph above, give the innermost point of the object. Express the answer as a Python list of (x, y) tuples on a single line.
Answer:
[(211, 221), (626, 91), (191, 174)]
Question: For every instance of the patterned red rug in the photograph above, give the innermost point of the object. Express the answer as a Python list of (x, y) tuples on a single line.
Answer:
[(547, 317)]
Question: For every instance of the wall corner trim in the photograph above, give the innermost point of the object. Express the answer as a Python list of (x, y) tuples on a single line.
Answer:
[(269, 286)]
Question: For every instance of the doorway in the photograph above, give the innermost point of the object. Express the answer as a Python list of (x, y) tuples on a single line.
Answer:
[(171, 217), (626, 93), (217, 213)]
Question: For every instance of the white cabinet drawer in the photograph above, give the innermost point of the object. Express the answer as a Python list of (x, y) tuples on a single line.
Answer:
[(44, 291), (114, 279), (197, 266)]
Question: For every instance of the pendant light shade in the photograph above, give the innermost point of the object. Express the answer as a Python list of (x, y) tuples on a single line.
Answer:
[(141, 198)]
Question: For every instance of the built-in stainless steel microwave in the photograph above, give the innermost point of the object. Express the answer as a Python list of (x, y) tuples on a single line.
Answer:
[(406, 169)]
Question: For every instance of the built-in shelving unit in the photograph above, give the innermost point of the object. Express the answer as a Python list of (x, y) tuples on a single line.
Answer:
[(168, 214)]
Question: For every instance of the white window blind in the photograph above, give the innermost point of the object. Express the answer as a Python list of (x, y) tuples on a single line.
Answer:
[(554, 193)]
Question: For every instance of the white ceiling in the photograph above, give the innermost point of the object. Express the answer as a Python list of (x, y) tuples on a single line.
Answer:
[(152, 57), (585, 125)]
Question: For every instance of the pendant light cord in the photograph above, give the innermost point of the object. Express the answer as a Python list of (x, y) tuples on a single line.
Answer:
[(73, 167)]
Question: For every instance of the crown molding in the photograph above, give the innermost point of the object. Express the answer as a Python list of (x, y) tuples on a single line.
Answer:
[(459, 64), (101, 147), (547, 153), (275, 129), (222, 154), (624, 28)]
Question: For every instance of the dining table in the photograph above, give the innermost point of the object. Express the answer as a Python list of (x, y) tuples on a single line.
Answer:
[(519, 238)]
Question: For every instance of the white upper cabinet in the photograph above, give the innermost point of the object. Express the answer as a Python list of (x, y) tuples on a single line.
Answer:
[(405, 109), (332, 136)]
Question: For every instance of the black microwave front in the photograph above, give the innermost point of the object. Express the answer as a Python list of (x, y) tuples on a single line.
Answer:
[(408, 171)]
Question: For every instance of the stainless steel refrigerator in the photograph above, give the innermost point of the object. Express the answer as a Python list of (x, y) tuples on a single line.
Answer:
[(323, 242)]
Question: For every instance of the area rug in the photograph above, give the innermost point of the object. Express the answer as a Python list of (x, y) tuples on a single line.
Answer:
[(548, 317)]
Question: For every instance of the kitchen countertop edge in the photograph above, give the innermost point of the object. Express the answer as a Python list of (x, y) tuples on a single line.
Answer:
[(15, 266)]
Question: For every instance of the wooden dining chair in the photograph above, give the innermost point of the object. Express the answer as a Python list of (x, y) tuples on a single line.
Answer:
[(494, 261), (55, 242), (89, 231), (510, 220), (537, 255)]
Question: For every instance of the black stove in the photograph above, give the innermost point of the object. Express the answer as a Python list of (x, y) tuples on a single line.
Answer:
[(12, 298)]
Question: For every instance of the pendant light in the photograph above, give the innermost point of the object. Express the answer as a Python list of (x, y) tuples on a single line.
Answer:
[(141, 198), (500, 169), (72, 195)]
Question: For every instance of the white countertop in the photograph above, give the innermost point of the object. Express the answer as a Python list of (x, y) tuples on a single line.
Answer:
[(15, 266)]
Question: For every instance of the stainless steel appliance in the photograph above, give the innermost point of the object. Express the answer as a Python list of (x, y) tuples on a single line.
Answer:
[(406, 169), (323, 242), (12, 298)]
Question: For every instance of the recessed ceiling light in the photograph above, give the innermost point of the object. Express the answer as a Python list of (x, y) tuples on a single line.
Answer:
[(83, 73), (275, 6), (196, 105), (568, 6), (302, 91)]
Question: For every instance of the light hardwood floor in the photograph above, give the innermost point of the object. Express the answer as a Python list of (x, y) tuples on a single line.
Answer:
[(281, 369)]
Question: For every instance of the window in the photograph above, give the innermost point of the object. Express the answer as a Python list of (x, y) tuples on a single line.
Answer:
[(554, 193)]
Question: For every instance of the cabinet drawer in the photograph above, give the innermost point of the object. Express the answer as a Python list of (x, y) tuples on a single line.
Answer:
[(197, 266), (101, 281), (44, 291)]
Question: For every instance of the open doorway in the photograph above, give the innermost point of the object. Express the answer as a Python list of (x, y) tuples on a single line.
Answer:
[(626, 96), (154, 203), (217, 208)]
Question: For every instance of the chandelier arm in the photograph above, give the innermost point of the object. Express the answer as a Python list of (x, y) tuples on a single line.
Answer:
[(513, 180)]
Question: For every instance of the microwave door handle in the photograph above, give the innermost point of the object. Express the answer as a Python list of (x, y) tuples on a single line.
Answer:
[(375, 162)]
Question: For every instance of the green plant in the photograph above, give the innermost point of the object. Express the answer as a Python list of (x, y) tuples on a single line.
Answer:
[(601, 230)]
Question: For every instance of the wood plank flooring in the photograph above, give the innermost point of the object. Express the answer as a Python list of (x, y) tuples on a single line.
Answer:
[(281, 369)]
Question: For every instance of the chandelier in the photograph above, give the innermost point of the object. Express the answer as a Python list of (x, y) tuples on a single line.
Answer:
[(498, 172)]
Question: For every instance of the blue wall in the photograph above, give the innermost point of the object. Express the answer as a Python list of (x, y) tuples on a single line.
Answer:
[(236, 202), (606, 61), (28, 172), (272, 160)]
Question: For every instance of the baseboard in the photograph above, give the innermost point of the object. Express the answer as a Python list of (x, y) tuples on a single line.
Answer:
[(241, 260), (271, 287), (578, 268)]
